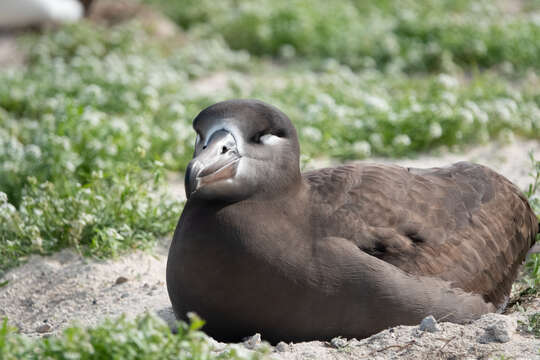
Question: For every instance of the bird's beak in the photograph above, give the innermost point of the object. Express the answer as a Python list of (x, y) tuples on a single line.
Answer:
[(216, 161)]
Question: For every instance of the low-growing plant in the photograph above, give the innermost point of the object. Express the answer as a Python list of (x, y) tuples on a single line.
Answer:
[(104, 109), (146, 337), (407, 35), (533, 191), (95, 100), (532, 265), (347, 115), (532, 325), (106, 216)]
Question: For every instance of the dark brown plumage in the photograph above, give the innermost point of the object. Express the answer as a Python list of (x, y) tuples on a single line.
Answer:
[(344, 251), (464, 223)]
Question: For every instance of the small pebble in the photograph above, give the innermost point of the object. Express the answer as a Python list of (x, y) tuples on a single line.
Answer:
[(28, 302), (45, 328), (282, 347), (253, 341), (497, 328), (120, 280), (124, 295), (338, 342), (429, 324), (94, 302)]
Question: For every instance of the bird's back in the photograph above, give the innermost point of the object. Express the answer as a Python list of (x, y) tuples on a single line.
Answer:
[(464, 223)]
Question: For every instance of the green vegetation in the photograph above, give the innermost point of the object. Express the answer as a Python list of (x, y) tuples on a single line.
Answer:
[(109, 214), (349, 115), (533, 191), (146, 337), (409, 35), (533, 325), (532, 265), (91, 123)]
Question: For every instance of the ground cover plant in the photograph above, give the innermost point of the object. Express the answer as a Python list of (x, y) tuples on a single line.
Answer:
[(96, 111), (92, 123), (532, 265), (146, 337), (429, 35)]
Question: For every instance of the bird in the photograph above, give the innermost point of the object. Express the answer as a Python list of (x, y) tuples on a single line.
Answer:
[(23, 13), (347, 251)]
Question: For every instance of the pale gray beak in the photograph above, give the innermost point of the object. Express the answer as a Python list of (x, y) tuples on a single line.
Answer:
[(218, 160)]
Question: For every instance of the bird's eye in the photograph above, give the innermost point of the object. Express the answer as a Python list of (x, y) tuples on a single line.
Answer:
[(268, 136), (257, 137)]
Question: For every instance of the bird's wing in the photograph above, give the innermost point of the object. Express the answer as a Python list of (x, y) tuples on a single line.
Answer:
[(464, 223)]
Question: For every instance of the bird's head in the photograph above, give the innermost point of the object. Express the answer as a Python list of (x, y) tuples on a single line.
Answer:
[(243, 148)]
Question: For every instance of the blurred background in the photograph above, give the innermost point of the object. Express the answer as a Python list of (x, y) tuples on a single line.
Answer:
[(97, 97)]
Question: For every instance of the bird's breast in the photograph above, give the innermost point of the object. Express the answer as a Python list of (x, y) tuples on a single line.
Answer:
[(218, 259)]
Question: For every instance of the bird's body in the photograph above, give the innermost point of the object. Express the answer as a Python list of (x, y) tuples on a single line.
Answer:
[(344, 251)]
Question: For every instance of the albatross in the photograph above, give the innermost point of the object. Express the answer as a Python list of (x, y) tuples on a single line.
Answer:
[(342, 251)]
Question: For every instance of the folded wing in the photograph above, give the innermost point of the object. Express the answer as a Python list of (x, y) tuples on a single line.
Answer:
[(464, 223)]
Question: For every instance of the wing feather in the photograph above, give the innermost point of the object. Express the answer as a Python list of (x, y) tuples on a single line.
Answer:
[(464, 223)]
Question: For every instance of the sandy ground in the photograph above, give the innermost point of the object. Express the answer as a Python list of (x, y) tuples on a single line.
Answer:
[(46, 294)]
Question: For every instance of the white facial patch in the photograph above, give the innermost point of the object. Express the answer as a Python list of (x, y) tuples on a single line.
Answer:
[(211, 132), (269, 139), (243, 170), (223, 124)]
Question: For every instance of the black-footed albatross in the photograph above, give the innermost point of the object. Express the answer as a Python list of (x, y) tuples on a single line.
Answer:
[(348, 251)]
